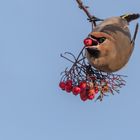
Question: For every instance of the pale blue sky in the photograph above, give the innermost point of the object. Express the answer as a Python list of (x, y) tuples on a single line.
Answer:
[(33, 33)]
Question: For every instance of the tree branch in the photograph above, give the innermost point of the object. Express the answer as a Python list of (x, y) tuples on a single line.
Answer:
[(84, 8)]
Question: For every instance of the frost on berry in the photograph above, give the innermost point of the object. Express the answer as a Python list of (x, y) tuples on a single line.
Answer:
[(89, 83)]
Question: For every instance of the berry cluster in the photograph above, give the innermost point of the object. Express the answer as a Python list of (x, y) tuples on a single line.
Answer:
[(88, 90), (84, 89), (84, 80)]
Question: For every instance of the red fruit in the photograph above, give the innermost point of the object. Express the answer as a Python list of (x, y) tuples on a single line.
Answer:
[(76, 90), (91, 97), (83, 95), (68, 88), (88, 42), (83, 98), (82, 85), (91, 94), (62, 85), (69, 82), (96, 90)]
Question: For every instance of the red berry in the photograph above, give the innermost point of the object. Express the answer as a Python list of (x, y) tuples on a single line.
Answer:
[(69, 82), (82, 85), (96, 90), (83, 95), (105, 88), (76, 90), (62, 85), (68, 88), (91, 94), (83, 98), (88, 42), (91, 97)]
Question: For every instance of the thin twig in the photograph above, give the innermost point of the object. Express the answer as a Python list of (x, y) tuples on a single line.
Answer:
[(84, 8)]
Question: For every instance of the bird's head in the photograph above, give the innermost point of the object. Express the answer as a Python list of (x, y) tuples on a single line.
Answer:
[(100, 49)]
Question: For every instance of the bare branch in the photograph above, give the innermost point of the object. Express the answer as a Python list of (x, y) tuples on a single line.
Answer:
[(84, 8)]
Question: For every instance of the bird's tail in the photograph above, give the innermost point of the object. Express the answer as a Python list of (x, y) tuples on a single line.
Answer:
[(130, 17)]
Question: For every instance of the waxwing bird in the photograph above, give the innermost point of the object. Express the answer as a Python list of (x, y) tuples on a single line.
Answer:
[(109, 46)]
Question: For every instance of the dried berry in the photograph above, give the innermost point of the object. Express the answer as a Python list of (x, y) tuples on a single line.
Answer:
[(105, 88), (90, 85)]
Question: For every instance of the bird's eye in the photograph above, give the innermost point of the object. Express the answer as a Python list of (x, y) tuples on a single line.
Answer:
[(101, 40)]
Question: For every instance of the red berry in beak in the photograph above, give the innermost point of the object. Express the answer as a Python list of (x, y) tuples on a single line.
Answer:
[(76, 90), (62, 85), (88, 42)]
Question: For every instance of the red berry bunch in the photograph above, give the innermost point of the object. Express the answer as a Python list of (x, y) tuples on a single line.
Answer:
[(69, 86), (87, 82), (86, 90)]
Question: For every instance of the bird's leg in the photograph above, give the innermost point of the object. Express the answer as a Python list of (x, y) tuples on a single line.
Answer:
[(91, 18), (94, 19)]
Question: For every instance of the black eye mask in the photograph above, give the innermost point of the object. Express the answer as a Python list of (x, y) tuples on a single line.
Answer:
[(98, 39)]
